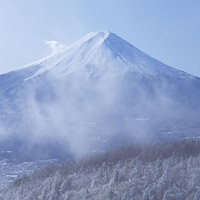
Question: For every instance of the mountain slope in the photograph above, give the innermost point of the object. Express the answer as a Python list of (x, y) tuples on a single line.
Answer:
[(105, 52), (95, 93)]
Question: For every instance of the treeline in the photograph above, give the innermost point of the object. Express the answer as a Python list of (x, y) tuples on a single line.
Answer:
[(163, 170), (144, 152)]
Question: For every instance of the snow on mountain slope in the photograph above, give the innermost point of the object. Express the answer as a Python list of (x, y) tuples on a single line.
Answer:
[(103, 55)]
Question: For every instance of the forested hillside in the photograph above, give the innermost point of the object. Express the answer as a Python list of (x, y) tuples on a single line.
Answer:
[(167, 170)]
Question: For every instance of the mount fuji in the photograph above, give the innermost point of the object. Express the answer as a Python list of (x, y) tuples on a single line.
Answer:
[(92, 94)]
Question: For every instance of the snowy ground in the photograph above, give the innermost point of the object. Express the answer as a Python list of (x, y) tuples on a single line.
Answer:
[(9, 171)]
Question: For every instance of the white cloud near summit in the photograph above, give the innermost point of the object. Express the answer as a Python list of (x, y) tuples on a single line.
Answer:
[(55, 46)]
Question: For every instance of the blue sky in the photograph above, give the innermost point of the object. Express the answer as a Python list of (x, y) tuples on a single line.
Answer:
[(166, 30)]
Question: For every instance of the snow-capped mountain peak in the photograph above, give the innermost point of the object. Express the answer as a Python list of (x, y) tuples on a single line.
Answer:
[(101, 85), (92, 36), (104, 55)]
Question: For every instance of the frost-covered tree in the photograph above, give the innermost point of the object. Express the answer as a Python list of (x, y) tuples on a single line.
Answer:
[(160, 171)]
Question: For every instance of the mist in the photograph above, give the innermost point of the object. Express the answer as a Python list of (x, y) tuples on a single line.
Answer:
[(82, 115)]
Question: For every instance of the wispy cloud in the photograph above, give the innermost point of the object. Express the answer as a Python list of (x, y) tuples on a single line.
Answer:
[(55, 46)]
